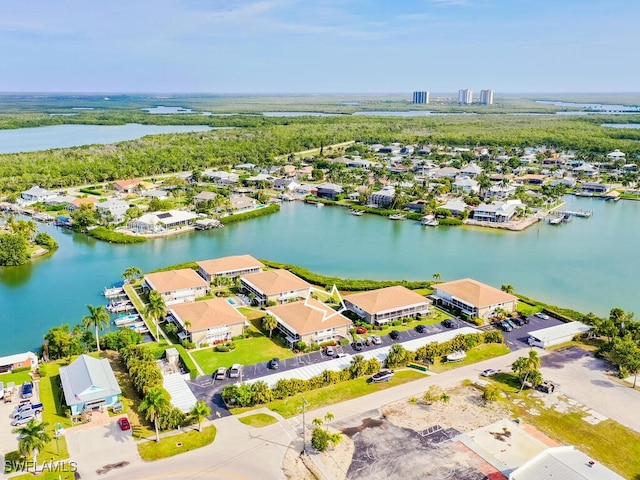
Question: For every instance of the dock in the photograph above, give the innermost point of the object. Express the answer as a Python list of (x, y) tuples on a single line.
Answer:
[(571, 213)]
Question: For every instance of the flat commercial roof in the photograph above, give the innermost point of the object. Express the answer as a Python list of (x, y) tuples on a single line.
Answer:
[(181, 396), (559, 331)]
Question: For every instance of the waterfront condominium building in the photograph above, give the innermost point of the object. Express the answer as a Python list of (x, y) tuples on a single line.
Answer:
[(421, 97), (486, 97), (465, 96)]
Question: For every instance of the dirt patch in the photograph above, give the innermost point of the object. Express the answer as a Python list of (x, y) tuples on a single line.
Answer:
[(366, 423), (465, 411), (335, 461)]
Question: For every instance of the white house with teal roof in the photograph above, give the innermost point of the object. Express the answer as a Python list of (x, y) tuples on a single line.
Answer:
[(89, 383)]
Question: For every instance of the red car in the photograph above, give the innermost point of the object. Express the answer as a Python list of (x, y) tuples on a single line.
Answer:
[(124, 423)]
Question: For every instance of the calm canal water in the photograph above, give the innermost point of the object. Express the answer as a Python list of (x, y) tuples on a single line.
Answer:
[(64, 136), (589, 264)]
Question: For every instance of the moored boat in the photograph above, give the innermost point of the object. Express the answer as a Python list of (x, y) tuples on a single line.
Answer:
[(126, 319), (397, 216), (357, 213)]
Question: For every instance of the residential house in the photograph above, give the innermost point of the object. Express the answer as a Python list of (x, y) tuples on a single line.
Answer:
[(261, 178), (155, 193), (359, 163), (207, 321), (587, 170), (310, 321), (496, 212), (329, 190), (230, 267), (305, 189), (384, 197), (499, 191), (113, 210), (465, 185), (76, 203), (160, 222), (245, 166), (89, 383), (60, 200), (127, 186), (36, 194), (9, 363), (566, 181), (241, 203), (285, 184), (423, 167), (221, 178), (304, 171), (289, 171), (455, 206), (616, 155), (415, 206), (532, 179), (471, 170), (204, 197), (446, 172), (473, 298), (177, 286), (274, 286), (593, 187), (387, 304), (392, 149)]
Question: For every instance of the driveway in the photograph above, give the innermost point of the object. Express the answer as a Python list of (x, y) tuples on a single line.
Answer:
[(101, 449), (518, 337)]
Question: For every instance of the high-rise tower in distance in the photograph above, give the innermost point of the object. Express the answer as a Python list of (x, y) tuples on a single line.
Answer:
[(465, 96), (421, 98), (486, 97)]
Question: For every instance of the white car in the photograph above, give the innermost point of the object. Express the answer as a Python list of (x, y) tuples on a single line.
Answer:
[(330, 351), (22, 420), (490, 372), (543, 316), (234, 371), (375, 339)]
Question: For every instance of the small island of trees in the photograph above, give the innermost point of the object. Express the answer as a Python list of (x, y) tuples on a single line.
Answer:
[(20, 241)]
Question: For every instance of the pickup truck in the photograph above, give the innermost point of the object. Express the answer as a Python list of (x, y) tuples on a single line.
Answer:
[(28, 409)]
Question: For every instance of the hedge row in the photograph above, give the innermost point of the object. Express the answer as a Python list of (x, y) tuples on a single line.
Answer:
[(344, 283), (450, 221), (187, 361), (103, 233), (238, 217), (177, 266), (248, 395), (564, 314)]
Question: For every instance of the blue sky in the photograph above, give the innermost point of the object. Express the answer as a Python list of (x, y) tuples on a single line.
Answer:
[(323, 46)]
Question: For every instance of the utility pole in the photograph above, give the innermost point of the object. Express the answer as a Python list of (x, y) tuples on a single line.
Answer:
[(304, 426)]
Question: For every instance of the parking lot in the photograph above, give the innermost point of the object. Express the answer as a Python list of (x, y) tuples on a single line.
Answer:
[(8, 439), (517, 338)]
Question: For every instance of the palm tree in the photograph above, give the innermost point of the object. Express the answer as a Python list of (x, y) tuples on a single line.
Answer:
[(317, 422), (437, 277), (328, 418), (507, 288), (33, 438), (98, 318), (200, 411), (156, 309), (154, 404), (357, 366), (131, 273), (269, 322)]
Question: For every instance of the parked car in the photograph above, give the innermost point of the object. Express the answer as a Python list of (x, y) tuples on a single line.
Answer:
[(124, 424), (421, 329), (490, 372), (448, 323), (512, 324), (375, 339), (547, 387), (21, 420), (394, 334), (330, 351), (382, 376), (274, 363), (505, 326), (234, 371), (27, 390), (358, 345), (542, 315), (221, 373), (518, 321)]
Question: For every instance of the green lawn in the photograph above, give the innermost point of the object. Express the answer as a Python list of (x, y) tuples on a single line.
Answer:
[(168, 446), (437, 316), (258, 420), (18, 378), (51, 396), (247, 352), (526, 309), (333, 394), (475, 355)]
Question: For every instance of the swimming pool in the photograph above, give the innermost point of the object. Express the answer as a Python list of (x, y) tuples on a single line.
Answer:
[(231, 302)]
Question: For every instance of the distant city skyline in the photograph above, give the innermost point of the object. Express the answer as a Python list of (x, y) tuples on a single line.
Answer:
[(305, 46)]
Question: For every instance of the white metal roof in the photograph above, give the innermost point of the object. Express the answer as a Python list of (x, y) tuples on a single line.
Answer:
[(381, 353), (181, 396), (563, 463), (559, 331)]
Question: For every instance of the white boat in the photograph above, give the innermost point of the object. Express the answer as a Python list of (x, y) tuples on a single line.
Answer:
[(120, 307), (357, 213), (429, 221), (397, 216), (126, 319), (113, 292), (456, 356), (137, 325), (318, 205)]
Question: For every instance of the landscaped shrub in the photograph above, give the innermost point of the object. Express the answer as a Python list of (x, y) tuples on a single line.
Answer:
[(238, 217), (360, 330), (102, 233), (188, 364)]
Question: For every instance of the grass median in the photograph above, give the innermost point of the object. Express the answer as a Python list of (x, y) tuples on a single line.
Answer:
[(258, 420), (175, 444)]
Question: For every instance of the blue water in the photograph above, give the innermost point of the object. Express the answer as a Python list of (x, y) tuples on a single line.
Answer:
[(64, 136), (588, 264)]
